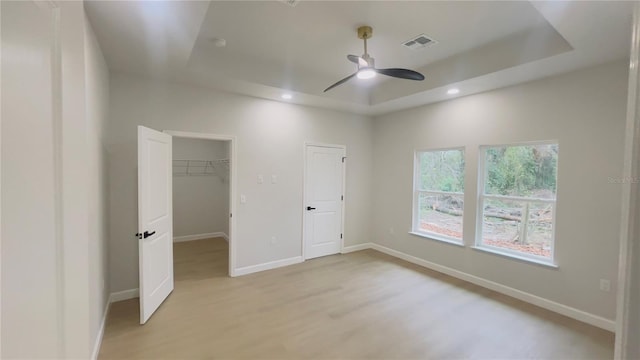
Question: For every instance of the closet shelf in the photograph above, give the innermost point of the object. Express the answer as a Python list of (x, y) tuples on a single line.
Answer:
[(219, 168)]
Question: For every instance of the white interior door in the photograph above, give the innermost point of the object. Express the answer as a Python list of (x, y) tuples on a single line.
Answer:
[(155, 221), (323, 196)]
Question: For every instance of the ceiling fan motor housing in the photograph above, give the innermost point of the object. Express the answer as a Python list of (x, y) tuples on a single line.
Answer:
[(365, 32)]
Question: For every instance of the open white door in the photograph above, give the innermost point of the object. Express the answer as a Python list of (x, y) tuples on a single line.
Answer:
[(155, 221), (323, 200)]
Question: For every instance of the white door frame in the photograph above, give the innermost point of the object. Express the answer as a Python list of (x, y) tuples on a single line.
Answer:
[(232, 185), (626, 324), (304, 190), (1, 186)]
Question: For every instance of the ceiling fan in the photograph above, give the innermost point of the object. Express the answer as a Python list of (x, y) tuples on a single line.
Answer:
[(366, 64)]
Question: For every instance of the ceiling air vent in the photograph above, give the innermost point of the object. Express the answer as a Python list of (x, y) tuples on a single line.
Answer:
[(291, 3), (419, 42)]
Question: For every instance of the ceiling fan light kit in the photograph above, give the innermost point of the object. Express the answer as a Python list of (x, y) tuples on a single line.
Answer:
[(366, 64), (366, 74)]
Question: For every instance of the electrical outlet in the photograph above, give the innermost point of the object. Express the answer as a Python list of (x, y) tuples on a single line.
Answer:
[(392, 231), (605, 285), (273, 240), (260, 179)]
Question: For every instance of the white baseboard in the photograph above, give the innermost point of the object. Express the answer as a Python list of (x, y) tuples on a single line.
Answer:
[(267, 266), (565, 310), (113, 297), (100, 335), (358, 247), (124, 295), (201, 236)]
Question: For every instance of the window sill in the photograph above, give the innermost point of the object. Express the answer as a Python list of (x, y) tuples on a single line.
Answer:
[(437, 238), (548, 264)]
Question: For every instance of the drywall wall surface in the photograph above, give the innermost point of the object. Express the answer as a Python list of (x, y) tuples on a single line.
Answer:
[(74, 183), (29, 280), (54, 197), (585, 112), (200, 203), (270, 141), (97, 106)]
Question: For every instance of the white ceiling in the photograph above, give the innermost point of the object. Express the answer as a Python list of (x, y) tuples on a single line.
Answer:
[(273, 47)]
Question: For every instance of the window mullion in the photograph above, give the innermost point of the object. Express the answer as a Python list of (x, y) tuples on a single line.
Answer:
[(525, 222)]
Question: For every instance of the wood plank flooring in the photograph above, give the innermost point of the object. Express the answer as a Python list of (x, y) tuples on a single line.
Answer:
[(363, 305)]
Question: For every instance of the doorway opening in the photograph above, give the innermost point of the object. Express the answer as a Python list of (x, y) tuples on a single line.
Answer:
[(203, 186)]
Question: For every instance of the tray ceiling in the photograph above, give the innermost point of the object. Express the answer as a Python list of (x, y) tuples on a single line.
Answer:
[(272, 47)]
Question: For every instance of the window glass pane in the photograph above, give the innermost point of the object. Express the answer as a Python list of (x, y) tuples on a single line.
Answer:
[(441, 214), (503, 226), (540, 228), (501, 223), (527, 170), (442, 170)]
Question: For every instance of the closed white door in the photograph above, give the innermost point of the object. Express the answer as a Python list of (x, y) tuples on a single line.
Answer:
[(323, 200), (155, 222)]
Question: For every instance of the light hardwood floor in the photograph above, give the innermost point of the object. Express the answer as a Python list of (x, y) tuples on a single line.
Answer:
[(360, 305)]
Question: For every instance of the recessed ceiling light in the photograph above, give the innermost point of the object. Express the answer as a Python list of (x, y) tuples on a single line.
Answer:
[(366, 74), (287, 96), (453, 91)]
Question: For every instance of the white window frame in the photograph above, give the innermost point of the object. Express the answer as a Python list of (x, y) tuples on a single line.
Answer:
[(482, 176), (415, 224)]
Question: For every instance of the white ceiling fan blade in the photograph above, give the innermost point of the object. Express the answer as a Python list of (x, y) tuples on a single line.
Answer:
[(340, 82)]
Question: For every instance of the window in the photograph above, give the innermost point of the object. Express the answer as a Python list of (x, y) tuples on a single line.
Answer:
[(439, 194), (517, 200)]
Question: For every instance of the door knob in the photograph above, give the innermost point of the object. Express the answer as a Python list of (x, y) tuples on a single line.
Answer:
[(309, 208)]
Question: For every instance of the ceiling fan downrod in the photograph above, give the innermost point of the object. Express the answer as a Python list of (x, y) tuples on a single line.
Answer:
[(364, 33)]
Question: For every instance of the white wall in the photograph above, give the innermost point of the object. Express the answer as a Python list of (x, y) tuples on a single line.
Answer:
[(74, 184), (53, 195), (97, 106), (585, 112), (29, 273), (270, 139), (200, 203)]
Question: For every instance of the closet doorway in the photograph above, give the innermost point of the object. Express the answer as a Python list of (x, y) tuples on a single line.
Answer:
[(203, 167)]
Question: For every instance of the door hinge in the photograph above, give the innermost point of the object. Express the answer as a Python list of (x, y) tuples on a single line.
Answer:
[(344, 157), (342, 197), (340, 236), (230, 215)]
